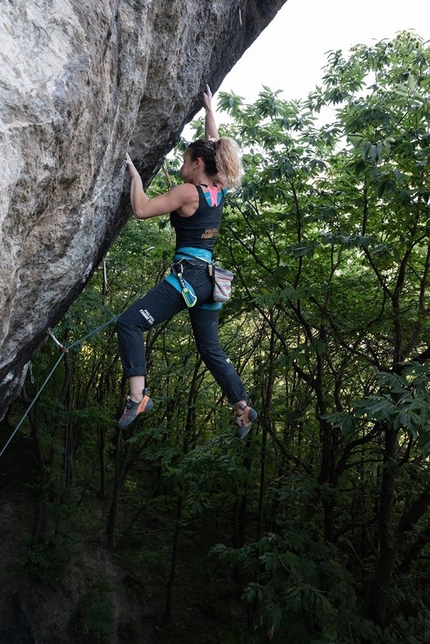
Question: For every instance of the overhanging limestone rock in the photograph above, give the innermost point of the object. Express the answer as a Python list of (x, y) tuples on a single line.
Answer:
[(79, 80)]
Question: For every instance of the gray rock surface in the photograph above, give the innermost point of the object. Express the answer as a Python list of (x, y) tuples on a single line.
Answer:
[(79, 81)]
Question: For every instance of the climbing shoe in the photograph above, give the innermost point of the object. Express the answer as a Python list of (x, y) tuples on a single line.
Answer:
[(244, 420), (133, 409)]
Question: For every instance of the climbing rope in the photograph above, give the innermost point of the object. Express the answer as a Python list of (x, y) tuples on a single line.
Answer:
[(64, 350)]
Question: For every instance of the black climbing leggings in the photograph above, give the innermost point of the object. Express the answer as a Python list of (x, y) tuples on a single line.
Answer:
[(163, 302)]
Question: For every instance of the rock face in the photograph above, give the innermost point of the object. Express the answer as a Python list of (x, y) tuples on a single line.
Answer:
[(80, 81)]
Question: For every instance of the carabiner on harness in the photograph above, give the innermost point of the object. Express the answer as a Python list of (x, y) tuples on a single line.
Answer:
[(186, 289)]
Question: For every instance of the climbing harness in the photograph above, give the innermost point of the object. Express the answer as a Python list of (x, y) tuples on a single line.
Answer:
[(221, 277), (186, 290)]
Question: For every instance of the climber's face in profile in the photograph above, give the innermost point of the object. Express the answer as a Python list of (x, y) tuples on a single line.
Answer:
[(187, 168), (190, 167)]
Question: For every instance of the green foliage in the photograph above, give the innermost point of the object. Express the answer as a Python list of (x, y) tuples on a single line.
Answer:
[(45, 557), (44, 561), (93, 620), (301, 584), (335, 220), (323, 514)]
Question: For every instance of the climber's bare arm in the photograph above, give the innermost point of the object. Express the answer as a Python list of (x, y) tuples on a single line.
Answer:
[(211, 130), (183, 198)]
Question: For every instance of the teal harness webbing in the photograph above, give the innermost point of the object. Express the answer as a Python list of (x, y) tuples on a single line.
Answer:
[(196, 253)]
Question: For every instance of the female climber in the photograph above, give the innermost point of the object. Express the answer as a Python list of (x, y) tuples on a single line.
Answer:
[(209, 166)]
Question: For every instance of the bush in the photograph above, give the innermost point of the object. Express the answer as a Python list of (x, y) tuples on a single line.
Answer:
[(93, 620)]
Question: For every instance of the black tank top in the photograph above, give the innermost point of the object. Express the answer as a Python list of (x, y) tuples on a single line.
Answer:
[(200, 230)]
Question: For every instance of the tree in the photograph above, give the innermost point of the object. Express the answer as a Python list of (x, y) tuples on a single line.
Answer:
[(336, 221), (323, 511)]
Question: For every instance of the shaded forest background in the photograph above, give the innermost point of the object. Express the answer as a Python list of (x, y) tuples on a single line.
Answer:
[(316, 528)]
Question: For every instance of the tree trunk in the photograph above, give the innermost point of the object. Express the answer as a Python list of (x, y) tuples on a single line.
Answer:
[(120, 470), (102, 459), (380, 589), (174, 562)]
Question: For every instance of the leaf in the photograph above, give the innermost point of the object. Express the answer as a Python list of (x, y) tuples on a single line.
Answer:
[(299, 251), (345, 422)]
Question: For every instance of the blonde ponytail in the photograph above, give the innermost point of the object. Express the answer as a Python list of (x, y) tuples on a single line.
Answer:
[(228, 162), (221, 158)]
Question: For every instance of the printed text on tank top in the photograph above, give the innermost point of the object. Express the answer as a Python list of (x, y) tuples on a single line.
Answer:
[(199, 230)]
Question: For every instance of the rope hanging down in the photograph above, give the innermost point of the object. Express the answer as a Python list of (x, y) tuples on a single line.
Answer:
[(64, 350)]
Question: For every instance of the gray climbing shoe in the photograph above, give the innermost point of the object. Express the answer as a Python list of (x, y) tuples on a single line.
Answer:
[(244, 420), (133, 409)]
